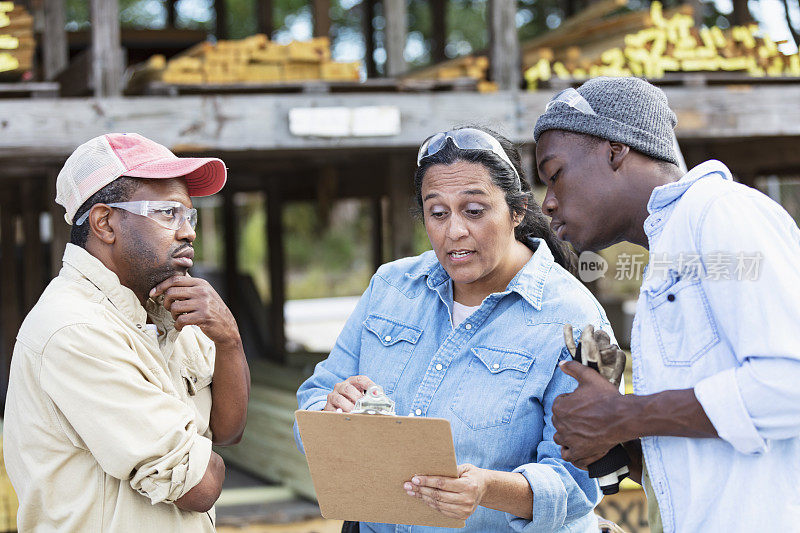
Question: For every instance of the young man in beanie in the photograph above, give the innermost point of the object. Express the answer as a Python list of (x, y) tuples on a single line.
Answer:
[(127, 369), (716, 361)]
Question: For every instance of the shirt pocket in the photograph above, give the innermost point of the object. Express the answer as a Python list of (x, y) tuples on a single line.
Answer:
[(386, 347), (196, 374), (488, 392), (682, 322)]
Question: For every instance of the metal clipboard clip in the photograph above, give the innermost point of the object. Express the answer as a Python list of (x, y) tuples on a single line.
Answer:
[(374, 402)]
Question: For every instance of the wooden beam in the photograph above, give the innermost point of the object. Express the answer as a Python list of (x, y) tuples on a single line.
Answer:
[(276, 266), (55, 54), (504, 53), (322, 17), (396, 15), (221, 14), (367, 16), (439, 18), (265, 20), (107, 59), (258, 124), (400, 203)]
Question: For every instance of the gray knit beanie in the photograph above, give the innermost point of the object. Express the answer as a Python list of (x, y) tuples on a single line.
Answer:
[(626, 110)]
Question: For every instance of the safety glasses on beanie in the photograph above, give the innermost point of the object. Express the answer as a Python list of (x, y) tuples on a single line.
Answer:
[(573, 99), (465, 139)]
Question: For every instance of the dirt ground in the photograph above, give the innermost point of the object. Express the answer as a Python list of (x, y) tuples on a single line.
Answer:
[(319, 525)]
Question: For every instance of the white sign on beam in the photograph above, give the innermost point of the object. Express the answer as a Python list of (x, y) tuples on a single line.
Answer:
[(373, 121)]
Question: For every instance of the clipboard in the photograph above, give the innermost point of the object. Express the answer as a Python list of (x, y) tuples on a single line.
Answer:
[(376, 454)]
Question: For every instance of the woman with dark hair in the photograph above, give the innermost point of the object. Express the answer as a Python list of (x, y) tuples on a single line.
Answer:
[(472, 331)]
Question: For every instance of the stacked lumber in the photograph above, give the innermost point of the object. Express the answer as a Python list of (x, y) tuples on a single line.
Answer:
[(267, 448), (17, 44), (668, 42), (469, 67), (254, 59)]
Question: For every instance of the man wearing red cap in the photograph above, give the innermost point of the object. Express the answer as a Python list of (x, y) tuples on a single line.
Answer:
[(127, 369)]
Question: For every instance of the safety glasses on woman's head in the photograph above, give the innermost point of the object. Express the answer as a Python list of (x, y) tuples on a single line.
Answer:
[(171, 215), (464, 139)]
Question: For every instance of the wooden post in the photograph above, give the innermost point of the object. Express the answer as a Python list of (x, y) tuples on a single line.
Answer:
[(741, 13), (221, 26), (400, 202), (54, 39), (322, 17), (172, 13), (60, 228), (439, 17), (9, 281), (230, 261), (376, 203), (264, 18), (396, 15), (504, 44), (107, 57), (277, 279), (367, 16), (32, 260)]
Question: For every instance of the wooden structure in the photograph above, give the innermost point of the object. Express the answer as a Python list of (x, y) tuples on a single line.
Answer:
[(254, 133)]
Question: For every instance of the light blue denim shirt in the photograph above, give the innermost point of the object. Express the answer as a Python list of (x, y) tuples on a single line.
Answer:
[(494, 377), (731, 332)]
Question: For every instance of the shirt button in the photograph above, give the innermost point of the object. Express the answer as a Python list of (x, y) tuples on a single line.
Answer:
[(411, 413), (468, 327), (495, 366), (387, 338), (438, 367), (418, 412)]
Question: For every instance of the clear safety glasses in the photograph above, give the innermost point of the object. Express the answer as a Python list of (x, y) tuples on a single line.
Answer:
[(171, 215), (464, 139), (573, 99)]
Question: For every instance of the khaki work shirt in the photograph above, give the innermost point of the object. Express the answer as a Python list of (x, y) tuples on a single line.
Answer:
[(107, 419)]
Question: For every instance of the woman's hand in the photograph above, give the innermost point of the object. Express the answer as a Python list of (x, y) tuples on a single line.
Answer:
[(453, 497), (345, 393)]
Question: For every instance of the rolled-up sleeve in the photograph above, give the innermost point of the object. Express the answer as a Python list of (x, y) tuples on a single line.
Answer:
[(757, 310), (134, 429), (562, 493)]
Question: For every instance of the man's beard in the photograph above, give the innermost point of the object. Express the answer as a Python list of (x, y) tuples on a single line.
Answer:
[(151, 269)]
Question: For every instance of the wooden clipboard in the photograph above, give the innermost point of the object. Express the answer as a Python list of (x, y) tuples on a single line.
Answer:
[(359, 462)]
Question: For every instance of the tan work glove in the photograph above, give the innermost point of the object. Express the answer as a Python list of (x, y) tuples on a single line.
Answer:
[(596, 348)]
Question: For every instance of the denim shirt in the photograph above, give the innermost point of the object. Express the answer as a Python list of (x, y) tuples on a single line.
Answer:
[(732, 335), (494, 377)]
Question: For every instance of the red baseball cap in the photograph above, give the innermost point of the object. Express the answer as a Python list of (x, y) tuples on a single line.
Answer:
[(98, 162)]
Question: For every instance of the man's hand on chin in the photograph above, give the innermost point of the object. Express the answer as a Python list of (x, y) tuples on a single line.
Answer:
[(193, 301)]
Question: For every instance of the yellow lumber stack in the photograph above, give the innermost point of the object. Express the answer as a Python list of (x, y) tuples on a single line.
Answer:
[(256, 59), (472, 67), (17, 43), (670, 44)]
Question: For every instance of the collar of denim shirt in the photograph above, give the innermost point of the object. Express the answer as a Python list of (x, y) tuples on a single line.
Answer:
[(662, 199), (528, 282)]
